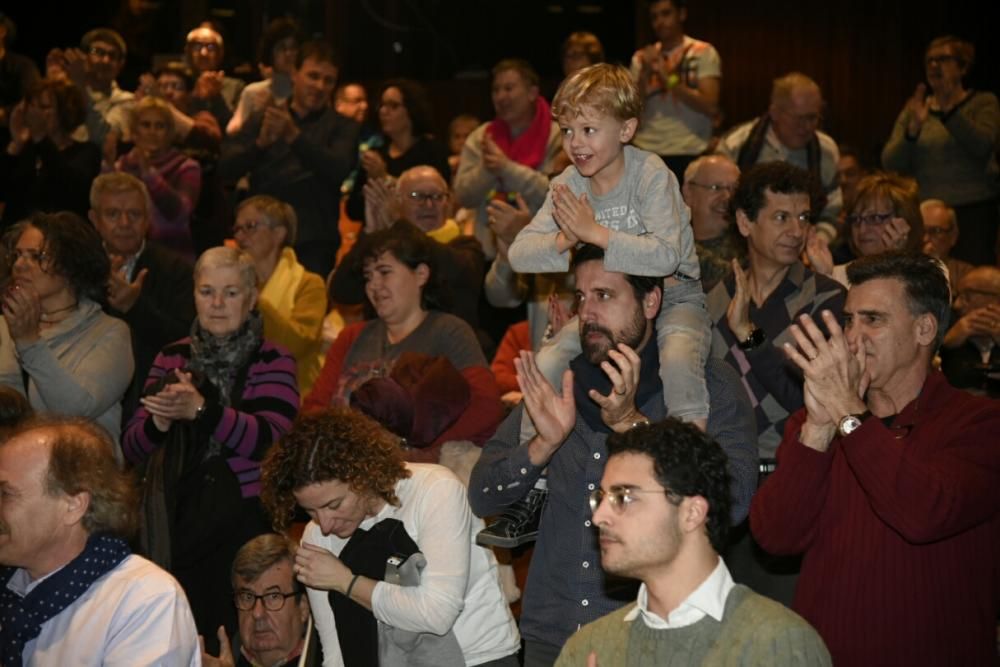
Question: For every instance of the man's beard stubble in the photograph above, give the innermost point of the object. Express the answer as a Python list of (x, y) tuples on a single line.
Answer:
[(597, 351)]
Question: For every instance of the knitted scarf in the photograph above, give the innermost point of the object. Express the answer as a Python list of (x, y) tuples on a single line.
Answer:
[(21, 619), (219, 359), (530, 147), (587, 376)]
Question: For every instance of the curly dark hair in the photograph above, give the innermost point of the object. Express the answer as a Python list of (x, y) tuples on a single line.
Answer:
[(277, 31), (338, 444), (687, 463), (776, 177), (75, 252), (417, 103), (923, 279), (71, 107), (411, 246)]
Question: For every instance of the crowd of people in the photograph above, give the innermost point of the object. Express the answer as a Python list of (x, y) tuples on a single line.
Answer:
[(287, 379)]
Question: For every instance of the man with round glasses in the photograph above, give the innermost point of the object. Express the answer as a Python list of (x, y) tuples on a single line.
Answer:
[(272, 609), (662, 512)]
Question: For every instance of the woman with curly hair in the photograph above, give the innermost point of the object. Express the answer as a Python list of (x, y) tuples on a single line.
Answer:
[(57, 346), (388, 558)]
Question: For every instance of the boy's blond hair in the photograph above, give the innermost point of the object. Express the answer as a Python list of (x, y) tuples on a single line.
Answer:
[(607, 88)]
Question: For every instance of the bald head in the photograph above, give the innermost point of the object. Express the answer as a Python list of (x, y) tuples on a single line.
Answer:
[(940, 228), (423, 197), (978, 288), (709, 182), (204, 48), (796, 109)]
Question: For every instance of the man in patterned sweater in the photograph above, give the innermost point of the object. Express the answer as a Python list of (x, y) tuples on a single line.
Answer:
[(750, 312), (751, 309), (662, 512)]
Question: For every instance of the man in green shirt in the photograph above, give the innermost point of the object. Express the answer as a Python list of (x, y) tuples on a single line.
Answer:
[(663, 513)]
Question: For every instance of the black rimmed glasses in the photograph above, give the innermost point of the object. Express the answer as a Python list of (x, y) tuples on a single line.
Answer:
[(273, 600), (871, 219), (939, 60), (424, 197), (620, 497)]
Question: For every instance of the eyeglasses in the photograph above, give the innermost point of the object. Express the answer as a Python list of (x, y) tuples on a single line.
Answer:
[(939, 60), (101, 52), (211, 47), (620, 497), (716, 188), (248, 227), (273, 600), (391, 105), (938, 231), (36, 257), (809, 119), (872, 219), (424, 197)]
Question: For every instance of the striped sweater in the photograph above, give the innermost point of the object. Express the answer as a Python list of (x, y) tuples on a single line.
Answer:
[(269, 403)]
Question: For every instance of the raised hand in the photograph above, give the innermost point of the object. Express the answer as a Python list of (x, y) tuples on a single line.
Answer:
[(318, 568), (494, 159), (738, 310), (373, 164), (919, 110), (225, 658), (123, 294), (23, 313), (506, 220), (818, 253), (895, 234), (575, 217), (618, 409), (553, 415)]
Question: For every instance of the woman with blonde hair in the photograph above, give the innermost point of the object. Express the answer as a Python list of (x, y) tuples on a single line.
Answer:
[(292, 300)]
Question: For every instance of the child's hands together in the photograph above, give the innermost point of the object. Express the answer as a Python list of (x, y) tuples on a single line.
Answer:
[(575, 218)]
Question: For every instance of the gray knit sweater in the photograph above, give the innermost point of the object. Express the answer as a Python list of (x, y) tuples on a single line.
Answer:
[(754, 631)]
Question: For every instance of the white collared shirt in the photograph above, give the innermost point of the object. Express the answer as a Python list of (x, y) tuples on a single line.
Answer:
[(135, 614), (708, 599)]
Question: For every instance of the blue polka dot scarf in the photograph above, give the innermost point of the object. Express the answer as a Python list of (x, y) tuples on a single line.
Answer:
[(21, 619)]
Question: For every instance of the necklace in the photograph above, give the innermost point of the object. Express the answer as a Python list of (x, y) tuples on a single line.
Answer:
[(45, 315)]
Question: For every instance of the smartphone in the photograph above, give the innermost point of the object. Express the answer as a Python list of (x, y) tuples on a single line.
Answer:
[(281, 87)]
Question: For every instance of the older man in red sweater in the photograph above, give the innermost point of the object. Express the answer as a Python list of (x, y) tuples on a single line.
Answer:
[(889, 481)]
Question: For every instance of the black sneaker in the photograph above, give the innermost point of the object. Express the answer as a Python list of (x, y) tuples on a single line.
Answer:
[(518, 524)]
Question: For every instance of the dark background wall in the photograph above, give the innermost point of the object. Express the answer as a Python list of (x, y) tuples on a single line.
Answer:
[(866, 55)]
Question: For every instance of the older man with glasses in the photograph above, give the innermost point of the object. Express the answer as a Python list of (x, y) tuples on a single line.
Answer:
[(789, 132), (709, 183), (272, 609), (94, 68)]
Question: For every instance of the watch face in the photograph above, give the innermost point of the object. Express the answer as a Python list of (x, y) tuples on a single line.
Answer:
[(849, 424)]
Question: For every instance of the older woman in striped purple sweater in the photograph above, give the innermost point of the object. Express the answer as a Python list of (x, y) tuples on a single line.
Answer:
[(213, 404)]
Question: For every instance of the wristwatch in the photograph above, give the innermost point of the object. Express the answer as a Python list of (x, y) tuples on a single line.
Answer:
[(851, 423), (754, 339)]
